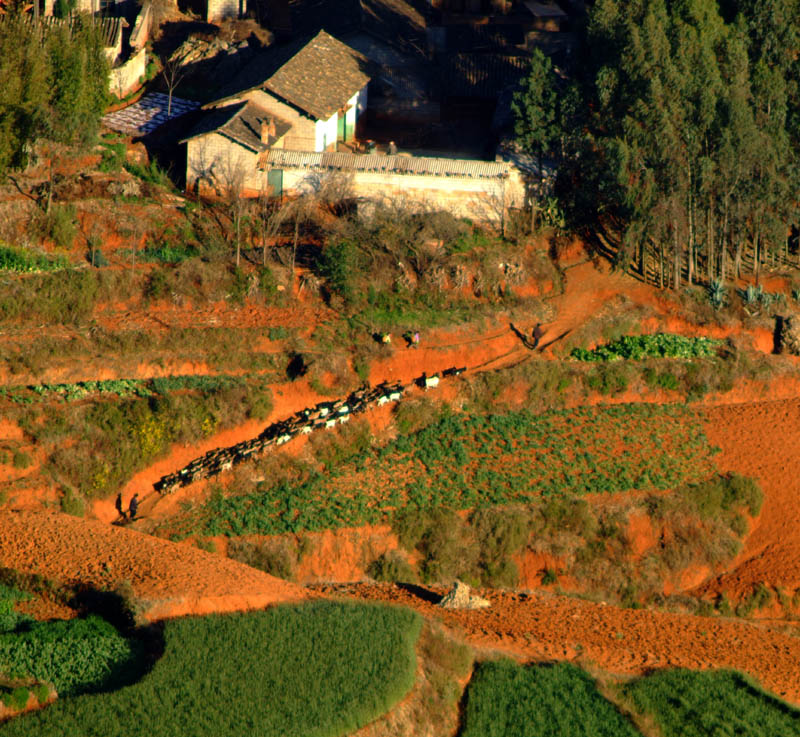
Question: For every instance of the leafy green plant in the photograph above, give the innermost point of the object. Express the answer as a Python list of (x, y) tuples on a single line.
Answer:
[(25, 260), (641, 347)]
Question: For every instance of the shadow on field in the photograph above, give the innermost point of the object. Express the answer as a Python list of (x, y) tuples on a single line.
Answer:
[(146, 642), (421, 593)]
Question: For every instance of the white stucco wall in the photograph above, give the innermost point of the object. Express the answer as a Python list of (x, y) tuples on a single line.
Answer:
[(124, 79), (485, 199), (325, 132), (361, 102)]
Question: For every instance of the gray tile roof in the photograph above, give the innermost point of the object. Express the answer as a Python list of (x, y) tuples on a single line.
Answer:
[(278, 158), (317, 77), (240, 122)]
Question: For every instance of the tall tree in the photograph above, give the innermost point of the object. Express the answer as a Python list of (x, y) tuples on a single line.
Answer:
[(535, 111)]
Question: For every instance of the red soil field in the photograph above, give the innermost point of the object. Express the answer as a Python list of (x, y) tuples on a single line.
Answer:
[(763, 440), (547, 627)]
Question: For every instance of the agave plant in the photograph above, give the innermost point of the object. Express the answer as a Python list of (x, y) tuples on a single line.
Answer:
[(717, 293), (753, 294)]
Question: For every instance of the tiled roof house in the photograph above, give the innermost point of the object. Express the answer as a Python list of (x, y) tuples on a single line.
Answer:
[(309, 93)]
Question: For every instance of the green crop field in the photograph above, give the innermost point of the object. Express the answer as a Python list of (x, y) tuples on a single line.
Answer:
[(463, 462), (315, 670), (507, 700), (690, 704), (75, 656)]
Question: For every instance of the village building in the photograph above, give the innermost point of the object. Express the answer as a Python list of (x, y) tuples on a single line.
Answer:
[(311, 94)]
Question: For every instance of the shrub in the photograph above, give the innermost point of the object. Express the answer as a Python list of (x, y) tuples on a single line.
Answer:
[(151, 173), (392, 566), (59, 225), (66, 297), (276, 557), (72, 504), (21, 459), (549, 577), (340, 265)]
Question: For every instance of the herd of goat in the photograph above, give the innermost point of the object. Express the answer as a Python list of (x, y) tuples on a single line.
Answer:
[(322, 415)]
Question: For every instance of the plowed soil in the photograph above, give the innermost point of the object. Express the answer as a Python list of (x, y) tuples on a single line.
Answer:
[(168, 579), (548, 627), (762, 440)]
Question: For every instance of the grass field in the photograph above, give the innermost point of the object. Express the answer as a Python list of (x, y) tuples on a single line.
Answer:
[(463, 462), (687, 703), (508, 700), (316, 670)]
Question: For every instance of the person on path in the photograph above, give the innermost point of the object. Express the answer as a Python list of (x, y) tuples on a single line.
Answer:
[(118, 505), (133, 507), (537, 334), (412, 339)]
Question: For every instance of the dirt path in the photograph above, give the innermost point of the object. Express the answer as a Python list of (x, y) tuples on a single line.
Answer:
[(763, 440), (169, 579), (547, 627)]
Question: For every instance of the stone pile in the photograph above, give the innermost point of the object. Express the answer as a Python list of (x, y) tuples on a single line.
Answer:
[(459, 597), (322, 415)]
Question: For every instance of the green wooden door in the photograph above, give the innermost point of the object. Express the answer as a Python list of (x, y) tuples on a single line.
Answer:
[(275, 182), (340, 129)]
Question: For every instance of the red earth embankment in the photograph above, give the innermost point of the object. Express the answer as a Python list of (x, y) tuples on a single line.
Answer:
[(167, 579)]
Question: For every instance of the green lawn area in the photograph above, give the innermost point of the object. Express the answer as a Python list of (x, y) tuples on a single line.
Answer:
[(688, 703), (468, 461), (313, 670), (508, 700)]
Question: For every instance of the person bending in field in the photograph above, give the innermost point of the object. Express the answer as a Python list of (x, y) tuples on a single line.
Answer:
[(118, 505), (133, 507)]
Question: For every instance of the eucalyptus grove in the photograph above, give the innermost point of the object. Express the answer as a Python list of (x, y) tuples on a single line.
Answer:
[(687, 145)]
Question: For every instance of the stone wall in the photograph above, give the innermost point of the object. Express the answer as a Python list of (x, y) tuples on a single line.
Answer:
[(124, 79)]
